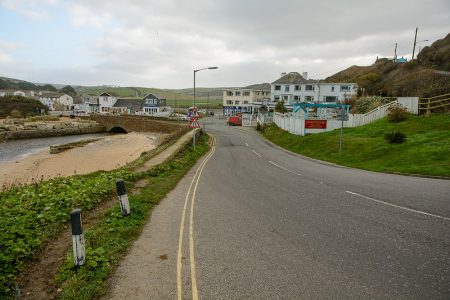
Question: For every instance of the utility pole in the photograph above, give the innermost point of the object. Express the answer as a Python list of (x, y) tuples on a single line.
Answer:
[(395, 53), (207, 104), (414, 48)]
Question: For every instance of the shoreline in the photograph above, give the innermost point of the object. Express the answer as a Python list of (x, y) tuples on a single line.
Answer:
[(106, 154)]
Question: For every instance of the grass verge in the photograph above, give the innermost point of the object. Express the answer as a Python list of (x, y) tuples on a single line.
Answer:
[(425, 152), (109, 240)]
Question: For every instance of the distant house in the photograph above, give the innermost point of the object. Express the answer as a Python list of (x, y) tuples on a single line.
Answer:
[(106, 101), (294, 88), (129, 106), (17, 93), (153, 104), (89, 103), (57, 101), (243, 100)]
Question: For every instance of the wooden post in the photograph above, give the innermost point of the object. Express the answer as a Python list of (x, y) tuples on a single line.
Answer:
[(79, 252), (123, 197)]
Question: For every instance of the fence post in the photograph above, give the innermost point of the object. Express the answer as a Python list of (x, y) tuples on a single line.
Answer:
[(79, 251), (123, 197)]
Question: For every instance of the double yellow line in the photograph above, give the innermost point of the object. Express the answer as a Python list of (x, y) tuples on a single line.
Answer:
[(195, 180)]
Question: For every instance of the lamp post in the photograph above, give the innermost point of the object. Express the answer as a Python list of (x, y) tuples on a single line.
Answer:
[(415, 43), (195, 71)]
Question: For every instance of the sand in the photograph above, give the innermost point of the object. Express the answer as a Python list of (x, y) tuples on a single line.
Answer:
[(107, 154)]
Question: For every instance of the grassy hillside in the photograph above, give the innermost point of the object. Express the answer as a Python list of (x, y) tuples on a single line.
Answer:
[(425, 77), (426, 150)]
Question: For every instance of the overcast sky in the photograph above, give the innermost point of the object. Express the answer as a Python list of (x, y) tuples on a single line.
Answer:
[(159, 43)]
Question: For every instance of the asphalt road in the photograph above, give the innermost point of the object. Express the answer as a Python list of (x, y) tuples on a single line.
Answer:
[(267, 224)]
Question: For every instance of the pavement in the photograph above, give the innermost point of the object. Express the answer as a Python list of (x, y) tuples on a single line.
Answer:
[(258, 222)]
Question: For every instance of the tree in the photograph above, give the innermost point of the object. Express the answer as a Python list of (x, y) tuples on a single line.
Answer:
[(68, 90), (279, 107), (49, 87)]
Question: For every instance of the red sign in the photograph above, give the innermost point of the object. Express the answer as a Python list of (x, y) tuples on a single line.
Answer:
[(194, 123), (316, 124)]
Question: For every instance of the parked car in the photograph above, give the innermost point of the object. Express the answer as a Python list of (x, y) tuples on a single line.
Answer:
[(235, 120)]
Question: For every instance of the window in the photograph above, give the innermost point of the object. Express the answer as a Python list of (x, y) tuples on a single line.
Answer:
[(330, 98), (246, 94), (345, 88), (229, 93), (309, 98), (309, 88), (296, 98), (236, 102), (297, 88), (229, 101), (245, 102), (332, 88), (276, 98), (237, 93), (285, 97), (286, 88), (278, 88)]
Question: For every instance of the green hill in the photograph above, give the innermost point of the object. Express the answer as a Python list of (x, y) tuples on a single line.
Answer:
[(426, 150), (425, 77)]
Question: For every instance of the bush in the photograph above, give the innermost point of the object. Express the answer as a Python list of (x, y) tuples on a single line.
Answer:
[(258, 126), (15, 114), (396, 113), (395, 137)]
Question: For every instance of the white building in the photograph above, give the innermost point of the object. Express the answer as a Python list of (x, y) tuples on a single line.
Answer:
[(57, 101), (106, 101), (293, 88), (243, 100)]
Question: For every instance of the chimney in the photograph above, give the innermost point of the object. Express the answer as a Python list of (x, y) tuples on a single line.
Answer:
[(283, 74), (305, 75)]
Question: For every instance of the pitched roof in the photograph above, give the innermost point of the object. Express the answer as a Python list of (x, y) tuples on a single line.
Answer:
[(292, 78), (51, 95), (134, 104), (111, 94), (153, 96)]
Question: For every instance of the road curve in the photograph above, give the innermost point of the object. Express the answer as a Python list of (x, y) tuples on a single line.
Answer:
[(270, 224)]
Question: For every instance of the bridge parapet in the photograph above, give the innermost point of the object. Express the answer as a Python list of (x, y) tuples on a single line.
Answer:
[(136, 123)]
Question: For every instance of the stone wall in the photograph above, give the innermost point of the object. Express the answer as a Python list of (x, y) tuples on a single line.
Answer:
[(20, 129), (138, 123)]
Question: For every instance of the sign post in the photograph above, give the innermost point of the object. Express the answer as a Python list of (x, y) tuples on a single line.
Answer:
[(193, 123)]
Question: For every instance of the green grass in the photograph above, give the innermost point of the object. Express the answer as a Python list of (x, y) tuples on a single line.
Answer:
[(426, 150), (109, 240)]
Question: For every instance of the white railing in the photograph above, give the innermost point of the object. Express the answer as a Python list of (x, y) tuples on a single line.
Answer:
[(410, 103), (294, 123), (263, 119)]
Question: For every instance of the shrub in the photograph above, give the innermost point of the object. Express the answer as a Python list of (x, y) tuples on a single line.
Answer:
[(396, 113), (395, 137), (258, 126), (16, 114)]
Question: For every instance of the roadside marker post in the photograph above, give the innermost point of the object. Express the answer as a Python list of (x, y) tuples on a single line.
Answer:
[(79, 250), (123, 197)]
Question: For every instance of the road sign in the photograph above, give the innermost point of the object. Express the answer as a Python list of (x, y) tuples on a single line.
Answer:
[(194, 123), (316, 124), (195, 114)]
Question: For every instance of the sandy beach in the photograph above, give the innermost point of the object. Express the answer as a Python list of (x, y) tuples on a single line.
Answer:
[(106, 154)]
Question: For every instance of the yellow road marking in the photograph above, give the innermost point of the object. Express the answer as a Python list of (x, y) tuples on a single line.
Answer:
[(183, 215), (191, 231)]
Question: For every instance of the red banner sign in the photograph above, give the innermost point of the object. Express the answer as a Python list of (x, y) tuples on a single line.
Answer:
[(316, 124)]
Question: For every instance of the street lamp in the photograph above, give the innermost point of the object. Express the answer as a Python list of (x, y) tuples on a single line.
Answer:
[(195, 71)]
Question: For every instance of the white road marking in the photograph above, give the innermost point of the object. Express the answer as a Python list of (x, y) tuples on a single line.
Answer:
[(256, 153), (400, 207), (283, 168)]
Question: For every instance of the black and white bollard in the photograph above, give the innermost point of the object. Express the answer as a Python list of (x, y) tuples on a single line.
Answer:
[(79, 251), (123, 197)]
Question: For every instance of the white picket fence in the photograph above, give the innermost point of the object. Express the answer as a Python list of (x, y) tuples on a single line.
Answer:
[(294, 123)]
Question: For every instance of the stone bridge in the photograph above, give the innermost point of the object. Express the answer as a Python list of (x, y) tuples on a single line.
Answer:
[(125, 124)]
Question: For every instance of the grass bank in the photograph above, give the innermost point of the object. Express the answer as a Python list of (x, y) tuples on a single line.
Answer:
[(426, 150), (34, 214), (109, 240)]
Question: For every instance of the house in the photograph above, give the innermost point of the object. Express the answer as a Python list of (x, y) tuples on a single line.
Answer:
[(57, 101), (153, 104), (29, 94), (106, 101), (243, 100), (130, 106), (89, 103), (295, 88)]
